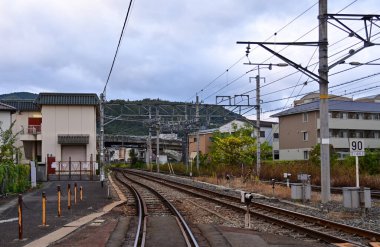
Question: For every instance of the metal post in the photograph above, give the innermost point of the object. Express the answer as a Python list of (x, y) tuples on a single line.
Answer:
[(68, 197), (323, 110), (198, 125), (101, 144), (91, 168), (258, 160), (357, 171), (59, 201), (20, 217), (157, 141), (70, 168)]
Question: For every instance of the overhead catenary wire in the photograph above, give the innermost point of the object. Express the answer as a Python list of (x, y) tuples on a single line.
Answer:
[(274, 34), (118, 45)]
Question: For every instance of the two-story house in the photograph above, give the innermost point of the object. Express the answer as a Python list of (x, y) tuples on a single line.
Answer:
[(299, 127), (56, 127), (205, 136), (6, 116)]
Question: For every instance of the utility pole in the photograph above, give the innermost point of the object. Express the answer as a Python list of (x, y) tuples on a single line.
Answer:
[(197, 124), (323, 108), (150, 141), (157, 141), (101, 144), (258, 160)]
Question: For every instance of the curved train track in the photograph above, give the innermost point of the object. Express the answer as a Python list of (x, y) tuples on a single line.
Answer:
[(149, 202), (322, 229)]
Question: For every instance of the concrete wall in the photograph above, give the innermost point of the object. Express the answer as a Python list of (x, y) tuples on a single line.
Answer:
[(204, 143), (292, 128), (67, 120), (5, 120), (293, 154)]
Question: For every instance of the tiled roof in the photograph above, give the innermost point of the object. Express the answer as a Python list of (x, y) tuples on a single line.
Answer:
[(21, 104), (334, 105), (67, 99), (5, 107)]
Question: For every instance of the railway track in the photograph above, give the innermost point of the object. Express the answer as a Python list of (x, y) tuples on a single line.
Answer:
[(322, 229), (153, 208)]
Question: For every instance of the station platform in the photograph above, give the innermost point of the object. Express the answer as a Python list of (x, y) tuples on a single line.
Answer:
[(99, 221), (94, 199)]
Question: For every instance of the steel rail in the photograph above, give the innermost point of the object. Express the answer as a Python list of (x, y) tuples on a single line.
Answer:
[(172, 208), (142, 211), (370, 235)]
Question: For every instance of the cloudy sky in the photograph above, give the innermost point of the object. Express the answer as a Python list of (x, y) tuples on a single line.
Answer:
[(174, 49)]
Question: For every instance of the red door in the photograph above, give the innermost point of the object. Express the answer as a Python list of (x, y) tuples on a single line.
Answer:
[(50, 160)]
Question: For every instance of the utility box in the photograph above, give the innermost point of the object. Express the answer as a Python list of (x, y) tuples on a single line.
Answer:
[(351, 197), (41, 172), (300, 191), (365, 197)]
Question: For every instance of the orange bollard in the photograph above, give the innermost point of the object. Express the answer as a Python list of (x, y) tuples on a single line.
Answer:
[(20, 217), (68, 197), (75, 193), (81, 193), (59, 200), (43, 209)]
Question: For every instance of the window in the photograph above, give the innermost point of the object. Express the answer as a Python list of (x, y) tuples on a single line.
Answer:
[(305, 155), (305, 135), (305, 117), (367, 116), (275, 136), (276, 154), (336, 114), (352, 133), (195, 139), (353, 115), (376, 116), (262, 133)]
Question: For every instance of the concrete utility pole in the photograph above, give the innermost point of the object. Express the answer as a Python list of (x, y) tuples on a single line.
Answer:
[(101, 144), (157, 141), (198, 124), (150, 141), (258, 159), (323, 108)]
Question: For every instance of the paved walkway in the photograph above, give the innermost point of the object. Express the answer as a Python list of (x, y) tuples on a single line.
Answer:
[(95, 203)]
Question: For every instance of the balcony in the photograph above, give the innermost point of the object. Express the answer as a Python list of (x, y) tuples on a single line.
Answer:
[(34, 129), (32, 133)]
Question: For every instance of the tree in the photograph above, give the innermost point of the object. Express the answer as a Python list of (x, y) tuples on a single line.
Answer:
[(7, 147), (236, 148), (315, 155), (133, 157)]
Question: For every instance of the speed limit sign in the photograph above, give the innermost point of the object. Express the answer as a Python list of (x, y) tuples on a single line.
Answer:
[(357, 147)]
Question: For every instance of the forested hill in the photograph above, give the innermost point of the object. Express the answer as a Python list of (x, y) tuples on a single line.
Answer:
[(19, 95), (132, 116)]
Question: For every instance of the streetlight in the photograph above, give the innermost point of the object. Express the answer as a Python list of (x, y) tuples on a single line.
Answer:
[(258, 154)]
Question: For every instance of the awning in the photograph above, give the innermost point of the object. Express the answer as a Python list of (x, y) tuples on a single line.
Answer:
[(73, 139)]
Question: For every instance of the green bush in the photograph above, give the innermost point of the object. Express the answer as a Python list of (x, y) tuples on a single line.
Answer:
[(14, 178)]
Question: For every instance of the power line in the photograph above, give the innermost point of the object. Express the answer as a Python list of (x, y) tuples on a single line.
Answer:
[(118, 45)]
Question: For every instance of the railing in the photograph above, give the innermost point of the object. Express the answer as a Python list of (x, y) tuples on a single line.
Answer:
[(34, 129), (75, 168)]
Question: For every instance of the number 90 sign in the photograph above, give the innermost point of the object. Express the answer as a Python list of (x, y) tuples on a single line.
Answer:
[(357, 147)]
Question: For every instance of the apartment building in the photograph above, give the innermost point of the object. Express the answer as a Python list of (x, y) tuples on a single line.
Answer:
[(299, 127)]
